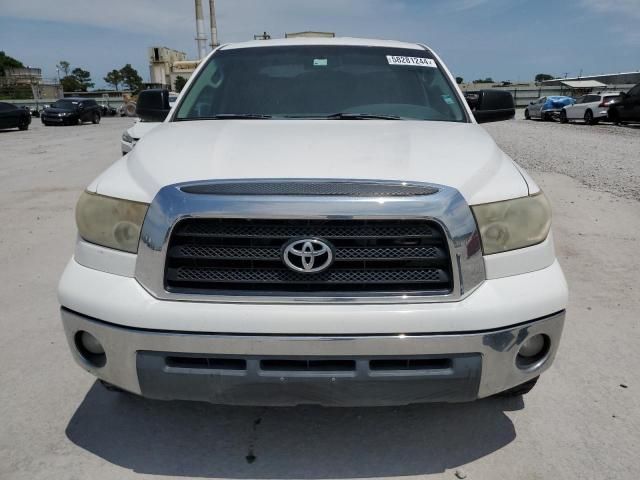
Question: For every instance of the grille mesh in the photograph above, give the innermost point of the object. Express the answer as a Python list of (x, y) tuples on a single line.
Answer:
[(244, 257), (332, 276)]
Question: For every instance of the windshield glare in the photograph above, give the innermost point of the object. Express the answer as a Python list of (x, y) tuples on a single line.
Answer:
[(321, 81)]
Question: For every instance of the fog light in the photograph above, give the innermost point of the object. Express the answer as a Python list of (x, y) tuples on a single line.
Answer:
[(532, 346), (90, 348), (533, 352), (91, 343)]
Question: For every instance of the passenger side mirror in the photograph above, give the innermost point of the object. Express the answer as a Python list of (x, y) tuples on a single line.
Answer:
[(153, 105), (494, 106)]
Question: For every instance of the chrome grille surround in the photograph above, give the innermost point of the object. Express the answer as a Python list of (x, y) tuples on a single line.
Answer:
[(446, 207)]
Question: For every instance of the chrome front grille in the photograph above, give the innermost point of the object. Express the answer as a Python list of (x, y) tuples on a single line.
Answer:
[(236, 256), (392, 242)]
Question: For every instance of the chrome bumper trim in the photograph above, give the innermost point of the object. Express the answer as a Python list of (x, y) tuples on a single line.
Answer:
[(498, 348)]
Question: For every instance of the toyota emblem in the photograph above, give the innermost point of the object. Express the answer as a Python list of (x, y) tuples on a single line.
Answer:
[(308, 255)]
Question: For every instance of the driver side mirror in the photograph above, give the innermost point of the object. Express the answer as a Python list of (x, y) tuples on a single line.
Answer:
[(493, 106), (153, 105)]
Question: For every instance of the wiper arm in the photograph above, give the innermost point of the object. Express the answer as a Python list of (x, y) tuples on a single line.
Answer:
[(230, 116), (361, 116), (347, 116)]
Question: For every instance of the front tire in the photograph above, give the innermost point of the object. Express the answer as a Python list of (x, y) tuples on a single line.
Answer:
[(519, 390), (526, 114), (96, 118), (23, 127), (112, 388), (588, 118)]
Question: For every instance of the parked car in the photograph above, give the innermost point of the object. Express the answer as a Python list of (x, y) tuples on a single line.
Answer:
[(626, 108), (132, 135), (107, 110), (71, 111), (12, 116), (345, 234), (589, 108), (547, 108)]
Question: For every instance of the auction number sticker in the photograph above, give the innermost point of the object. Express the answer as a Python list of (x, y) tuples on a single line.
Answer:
[(415, 61)]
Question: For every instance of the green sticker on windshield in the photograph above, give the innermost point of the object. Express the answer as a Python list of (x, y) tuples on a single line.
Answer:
[(320, 62), (448, 100)]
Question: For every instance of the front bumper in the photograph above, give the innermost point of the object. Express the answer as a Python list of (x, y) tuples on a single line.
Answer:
[(340, 370)]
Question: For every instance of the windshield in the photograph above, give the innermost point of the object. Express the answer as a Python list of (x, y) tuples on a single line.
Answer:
[(65, 104), (321, 82)]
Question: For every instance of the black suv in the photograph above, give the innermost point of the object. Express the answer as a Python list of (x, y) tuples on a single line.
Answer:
[(12, 116), (626, 108), (71, 111)]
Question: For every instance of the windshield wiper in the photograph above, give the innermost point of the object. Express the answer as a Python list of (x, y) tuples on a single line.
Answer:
[(349, 116), (230, 116)]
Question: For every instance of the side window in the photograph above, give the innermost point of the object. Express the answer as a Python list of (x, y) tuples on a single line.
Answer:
[(5, 107), (542, 99), (593, 98), (579, 100)]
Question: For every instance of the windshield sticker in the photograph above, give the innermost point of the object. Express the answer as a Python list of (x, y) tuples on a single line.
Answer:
[(448, 100), (320, 62), (415, 61)]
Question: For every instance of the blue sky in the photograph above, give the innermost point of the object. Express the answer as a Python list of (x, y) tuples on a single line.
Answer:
[(505, 39)]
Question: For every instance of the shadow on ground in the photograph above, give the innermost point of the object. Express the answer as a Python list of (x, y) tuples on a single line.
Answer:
[(198, 439)]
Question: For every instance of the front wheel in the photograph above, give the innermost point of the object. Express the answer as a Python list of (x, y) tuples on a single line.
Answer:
[(588, 117), (112, 388), (96, 118), (526, 114), (563, 117), (519, 390), (23, 127)]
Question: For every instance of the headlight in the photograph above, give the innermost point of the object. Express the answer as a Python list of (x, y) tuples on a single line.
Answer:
[(110, 222), (512, 224), (127, 138)]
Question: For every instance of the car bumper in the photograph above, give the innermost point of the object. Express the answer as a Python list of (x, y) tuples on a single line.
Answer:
[(351, 370)]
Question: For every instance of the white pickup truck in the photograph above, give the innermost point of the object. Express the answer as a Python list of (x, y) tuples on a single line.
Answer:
[(317, 221)]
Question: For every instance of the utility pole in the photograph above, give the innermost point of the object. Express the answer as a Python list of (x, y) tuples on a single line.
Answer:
[(214, 25), (201, 38)]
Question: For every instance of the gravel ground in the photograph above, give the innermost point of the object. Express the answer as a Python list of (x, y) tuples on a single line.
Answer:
[(582, 421), (604, 157)]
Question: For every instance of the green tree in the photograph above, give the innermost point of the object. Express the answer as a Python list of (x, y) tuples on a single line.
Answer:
[(541, 77), (130, 77), (70, 83), (114, 77), (484, 80), (64, 66), (179, 83), (459, 80), (83, 77), (8, 62)]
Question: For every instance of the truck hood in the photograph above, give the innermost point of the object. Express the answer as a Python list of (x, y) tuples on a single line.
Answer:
[(460, 155)]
